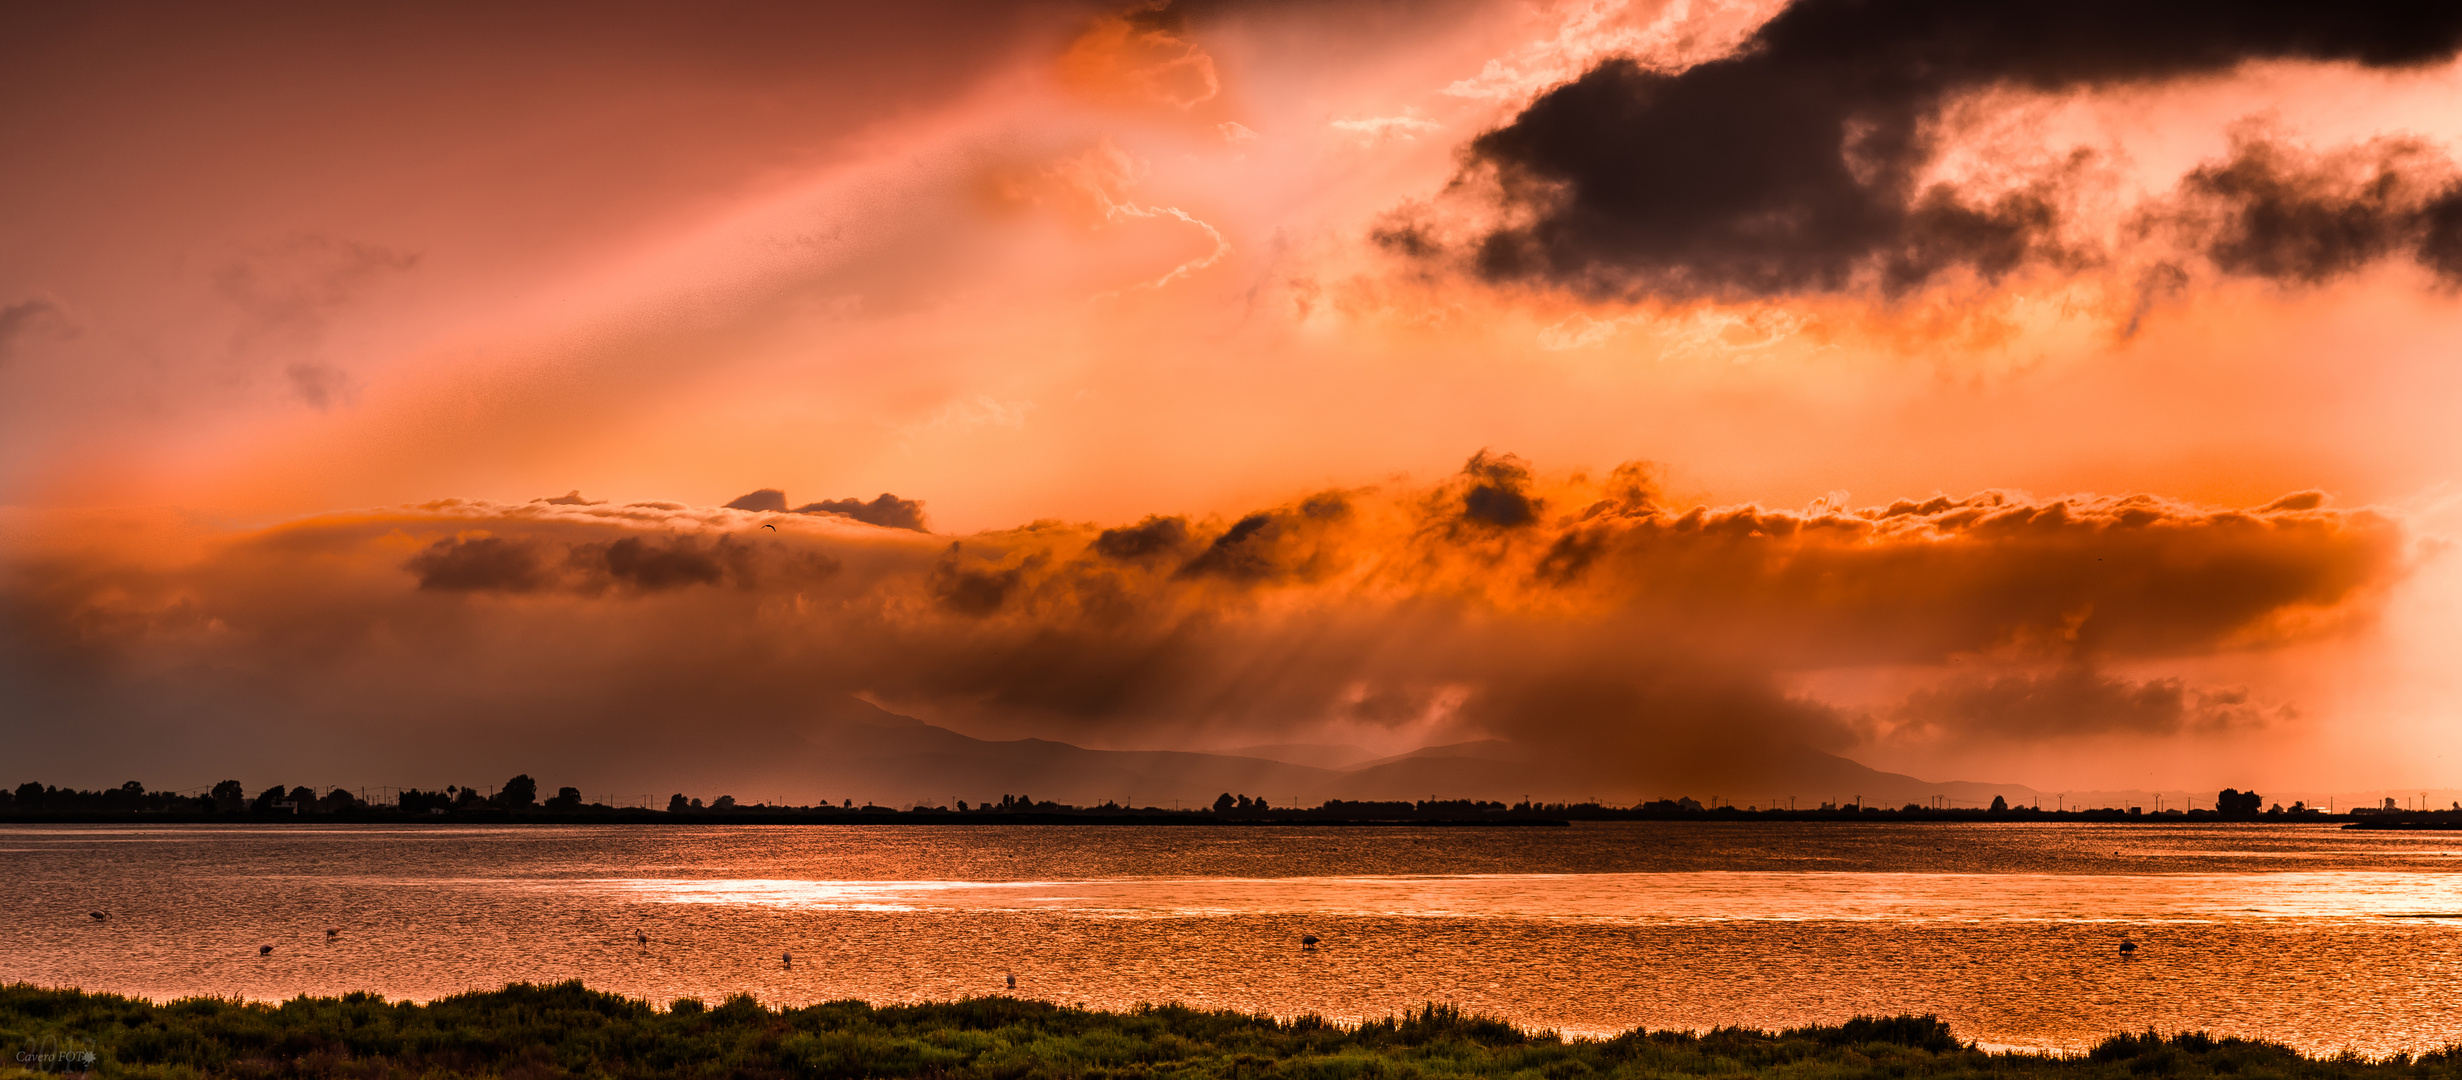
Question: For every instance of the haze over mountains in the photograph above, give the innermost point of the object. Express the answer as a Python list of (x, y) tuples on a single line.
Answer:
[(854, 750), (861, 752)]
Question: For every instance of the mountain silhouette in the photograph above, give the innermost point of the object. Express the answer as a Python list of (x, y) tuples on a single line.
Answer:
[(851, 749)]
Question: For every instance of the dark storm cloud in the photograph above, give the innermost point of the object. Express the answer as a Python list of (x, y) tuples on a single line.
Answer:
[(1245, 551), (766, 500), (1792, 165), (482, 564), (1497, 493), (1285, 543), (2276, 211), (971, 589), (631, 564), (1149, 538), (2075, 700), (888, 511), (651, 564)]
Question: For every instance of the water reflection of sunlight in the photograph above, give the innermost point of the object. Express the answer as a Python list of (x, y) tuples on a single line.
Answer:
[(2305, 853), (832, 895), (1714, 896), (2008, 933)]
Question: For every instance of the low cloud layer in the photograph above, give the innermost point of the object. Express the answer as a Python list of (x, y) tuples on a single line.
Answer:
[(887, 510), (2077, 700), (1589, 621), (642, 563), (1798, 163)]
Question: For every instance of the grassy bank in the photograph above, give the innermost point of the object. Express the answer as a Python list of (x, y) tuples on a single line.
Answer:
[(567, 1030)]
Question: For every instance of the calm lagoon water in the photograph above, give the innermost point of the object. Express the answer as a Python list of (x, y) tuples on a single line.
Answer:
[(2305, 934)]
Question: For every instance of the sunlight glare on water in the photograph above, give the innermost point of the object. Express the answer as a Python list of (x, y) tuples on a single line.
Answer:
[(2324, 939), (1616, 897)]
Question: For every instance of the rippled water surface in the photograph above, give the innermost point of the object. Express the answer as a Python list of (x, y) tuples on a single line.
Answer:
[(2306, 934)]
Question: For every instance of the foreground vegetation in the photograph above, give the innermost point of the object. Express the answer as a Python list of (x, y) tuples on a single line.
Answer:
[(566, 1030)]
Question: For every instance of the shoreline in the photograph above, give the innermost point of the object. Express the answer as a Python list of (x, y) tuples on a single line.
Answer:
[(663, 820), (2428, 822), (567, 1029)]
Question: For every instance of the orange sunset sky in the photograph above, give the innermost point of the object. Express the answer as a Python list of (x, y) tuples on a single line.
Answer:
[(2057, 394)]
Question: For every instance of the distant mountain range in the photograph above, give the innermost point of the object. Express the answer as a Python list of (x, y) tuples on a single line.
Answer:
[(858, 751)]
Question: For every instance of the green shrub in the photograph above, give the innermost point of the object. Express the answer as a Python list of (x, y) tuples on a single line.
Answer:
[(567, 1030)]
